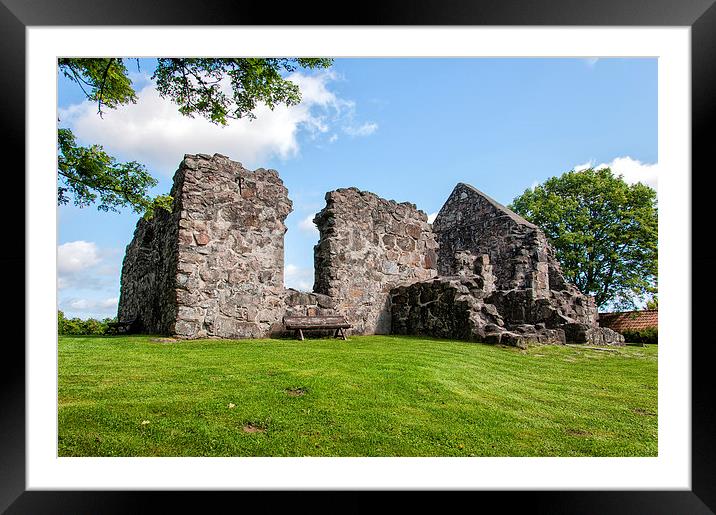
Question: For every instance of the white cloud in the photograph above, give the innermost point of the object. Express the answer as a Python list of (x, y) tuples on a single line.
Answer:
[(583, 166), (87, 279), (139, 78), (632, 170), (153, 132), (431, 217), (94, 307), (366, 129), (298, 278), (306, 225), (314, 90), (76, 256), (83, 265)]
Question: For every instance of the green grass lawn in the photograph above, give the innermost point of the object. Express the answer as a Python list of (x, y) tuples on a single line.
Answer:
[(369, 396)]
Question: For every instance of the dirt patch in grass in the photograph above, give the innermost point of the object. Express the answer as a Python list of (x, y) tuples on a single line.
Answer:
[(250, 427), (163, 340), (644, 412), (582, 346), (295, 392)]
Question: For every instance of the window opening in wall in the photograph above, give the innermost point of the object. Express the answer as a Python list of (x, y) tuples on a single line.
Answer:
[(300, 239)]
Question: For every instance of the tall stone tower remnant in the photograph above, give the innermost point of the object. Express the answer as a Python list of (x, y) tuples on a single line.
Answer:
[(214, 266)]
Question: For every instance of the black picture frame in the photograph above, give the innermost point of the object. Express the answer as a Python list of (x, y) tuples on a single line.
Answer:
[(17, 15)]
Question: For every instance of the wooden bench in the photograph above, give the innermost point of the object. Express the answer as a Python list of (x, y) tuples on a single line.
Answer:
[(325, 322), (121, 327)]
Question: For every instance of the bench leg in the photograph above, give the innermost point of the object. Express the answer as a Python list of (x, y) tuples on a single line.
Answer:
[(343, 334), (300, 334)]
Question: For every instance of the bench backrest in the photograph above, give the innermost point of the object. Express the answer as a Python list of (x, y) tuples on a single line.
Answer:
[(315, 321)]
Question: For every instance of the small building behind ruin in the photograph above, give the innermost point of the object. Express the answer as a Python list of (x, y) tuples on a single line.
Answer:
[(213, 267), (622, 321)]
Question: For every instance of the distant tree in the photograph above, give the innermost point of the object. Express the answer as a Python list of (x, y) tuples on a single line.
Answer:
[(604, 232), (216, 89), (653, 303), (78, 326)]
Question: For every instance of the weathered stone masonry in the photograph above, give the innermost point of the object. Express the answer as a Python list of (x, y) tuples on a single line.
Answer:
[(214, 266), (498, 282), (471, 222), (368, 246), (148, 292)]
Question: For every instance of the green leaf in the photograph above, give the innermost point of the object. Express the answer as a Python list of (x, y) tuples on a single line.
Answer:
[(604, 232)]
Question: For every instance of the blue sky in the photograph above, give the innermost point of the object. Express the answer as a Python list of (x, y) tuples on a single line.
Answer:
[(405, 129)]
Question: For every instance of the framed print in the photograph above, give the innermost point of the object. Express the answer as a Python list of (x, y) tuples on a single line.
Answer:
[(661, 87)]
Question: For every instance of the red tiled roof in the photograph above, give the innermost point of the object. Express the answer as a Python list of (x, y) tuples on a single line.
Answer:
[(630, 320)]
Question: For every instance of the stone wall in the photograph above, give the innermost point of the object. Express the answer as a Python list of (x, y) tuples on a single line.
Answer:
[(219, 259), (472, 226), (301, 303), (473, 223), (460, 307), (231, 232), (368, 246), (444, 308), (148, 290), (213, 267), (499, 282)]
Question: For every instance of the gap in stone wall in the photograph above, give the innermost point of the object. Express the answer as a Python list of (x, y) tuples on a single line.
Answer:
[(299, 241)]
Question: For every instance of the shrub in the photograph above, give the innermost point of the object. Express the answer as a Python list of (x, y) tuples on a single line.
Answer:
[(79, 326), (649, 335)]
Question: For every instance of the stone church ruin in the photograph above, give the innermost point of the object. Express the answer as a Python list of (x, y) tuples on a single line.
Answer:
[(213, 267)]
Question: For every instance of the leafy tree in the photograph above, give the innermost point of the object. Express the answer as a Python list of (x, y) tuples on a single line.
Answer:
[(89, 175), (104, 81), (196, 84), (79, 326), (216, 89), (648, 335), (604, 232)]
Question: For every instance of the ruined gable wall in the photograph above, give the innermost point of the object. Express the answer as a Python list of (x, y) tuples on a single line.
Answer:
[(518, 251), (368, 246), (230, 241), (499, 282)]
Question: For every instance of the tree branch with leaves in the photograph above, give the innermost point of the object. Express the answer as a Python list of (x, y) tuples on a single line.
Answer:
[(219, 90), (604, 232)]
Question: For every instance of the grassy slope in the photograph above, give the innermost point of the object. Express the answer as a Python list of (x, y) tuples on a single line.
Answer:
[(369, 396)]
